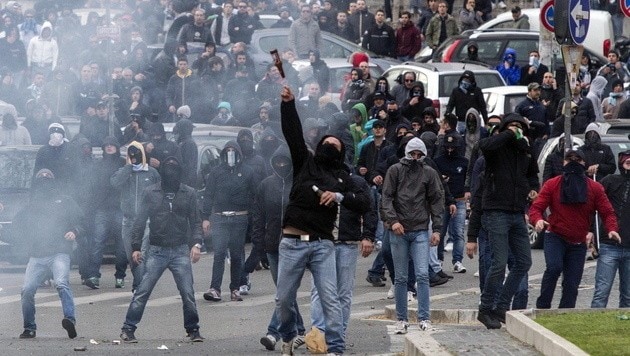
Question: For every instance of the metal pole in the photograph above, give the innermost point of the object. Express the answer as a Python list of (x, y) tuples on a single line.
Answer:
[(110, 84)]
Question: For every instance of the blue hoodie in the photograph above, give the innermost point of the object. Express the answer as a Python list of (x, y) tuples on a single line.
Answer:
[(512, 75)]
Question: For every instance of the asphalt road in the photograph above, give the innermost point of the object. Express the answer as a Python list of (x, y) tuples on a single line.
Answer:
[(230, 328)]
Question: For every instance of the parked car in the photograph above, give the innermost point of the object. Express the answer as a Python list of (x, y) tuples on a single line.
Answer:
[(599, 39), (502, 100), (439, 79), (492, 46), (615, 127)]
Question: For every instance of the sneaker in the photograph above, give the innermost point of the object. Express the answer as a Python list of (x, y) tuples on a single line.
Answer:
[(287, 348), (27, 334), (375, 281), (235, 296), (390, 293), (444, 275), (244, 289), (410, 296), (458, 267), (212, 295), (120, 283), (383, 278), (195, 336), (438, 281), (93, 282), (298, 341), (502, 5), (69, 326), (128, 337), (476, 274), (401, 327), (269, 342), (488, 320), (425, 325), (448, 247)]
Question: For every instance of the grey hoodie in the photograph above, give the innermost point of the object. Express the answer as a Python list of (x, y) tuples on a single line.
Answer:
[(472, 137), (594, 94)]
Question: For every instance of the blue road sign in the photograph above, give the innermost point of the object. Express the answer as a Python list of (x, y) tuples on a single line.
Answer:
[(579, 19)]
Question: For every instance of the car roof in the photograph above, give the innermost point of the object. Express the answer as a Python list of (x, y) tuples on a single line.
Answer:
[(446, 67), (507, 89), (330, 62)]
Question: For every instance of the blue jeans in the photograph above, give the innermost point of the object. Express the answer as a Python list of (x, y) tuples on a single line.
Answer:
[(319, 258), (563, 258), (107, 223), (506, 231), (274, 323), (612, 258), (137, 270), (413, 244), (454, 225), (228, 232), (346, 262), (37, 271), (158, 259)]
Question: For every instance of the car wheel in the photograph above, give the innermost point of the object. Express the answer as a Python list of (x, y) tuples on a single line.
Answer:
[(535, 238)]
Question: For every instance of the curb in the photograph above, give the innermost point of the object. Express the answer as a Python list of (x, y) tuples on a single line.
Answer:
[(522, 326), (438, 316)]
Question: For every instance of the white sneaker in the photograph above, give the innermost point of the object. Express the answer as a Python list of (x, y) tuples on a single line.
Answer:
[(401, 327), (390, 293), (410, 296), (458, 267), (448, 247), (502, 5), (244, 289), (476, 274), (425, 325), (287, 348), (298, 341)]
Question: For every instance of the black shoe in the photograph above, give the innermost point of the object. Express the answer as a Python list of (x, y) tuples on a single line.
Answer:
[(383, 278), (499, 314), (27, 334), (195, 336), (438, 281), (444, 275), (69, 326), (375, 281), (488, 320), (128, 337)]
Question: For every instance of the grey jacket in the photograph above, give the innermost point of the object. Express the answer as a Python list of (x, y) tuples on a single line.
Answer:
[(131, 185), (413, 196)]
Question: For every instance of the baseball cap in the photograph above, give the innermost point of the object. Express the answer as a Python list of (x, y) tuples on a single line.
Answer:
[(533, 86)]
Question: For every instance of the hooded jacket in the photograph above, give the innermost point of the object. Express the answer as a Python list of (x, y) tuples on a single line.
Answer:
[(512, 75), (454, 166), (408, 110), (272, 198), (251, 158), (43, 51), (171, 219), (304, 211), (188, 150), (463, 99), (179, 89), (472, 138), (321, 72), (594, 95), (105, 196), (355, 91), (511, 171), (617, 187), (229, 188), (596, 152), (356, 131), (412, 193), (131, 184)]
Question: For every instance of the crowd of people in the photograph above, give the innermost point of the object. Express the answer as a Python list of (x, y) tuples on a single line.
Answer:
[(311, 184)]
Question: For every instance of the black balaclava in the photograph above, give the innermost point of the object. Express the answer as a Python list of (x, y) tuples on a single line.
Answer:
[(171, 174), (268, 145), (245, 140), (328, 155), (592, 139), (574, 185), (471, 123)]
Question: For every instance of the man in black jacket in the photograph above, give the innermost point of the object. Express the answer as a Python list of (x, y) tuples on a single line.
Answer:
[(172, 209), (272, 197), (320, 184), (511, 176), (380, 38), (465, 96)]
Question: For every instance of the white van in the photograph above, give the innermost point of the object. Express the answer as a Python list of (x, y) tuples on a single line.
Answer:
[(599, 39)]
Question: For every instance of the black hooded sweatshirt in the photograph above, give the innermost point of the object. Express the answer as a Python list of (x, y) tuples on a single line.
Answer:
[(410, 111), (617, 187)]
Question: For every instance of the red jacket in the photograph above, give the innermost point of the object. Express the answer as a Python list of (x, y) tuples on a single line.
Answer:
[(572, 221), (408, 41)]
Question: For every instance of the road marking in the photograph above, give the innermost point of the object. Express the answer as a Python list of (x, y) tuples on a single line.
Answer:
[(16, 298), (90, 299)]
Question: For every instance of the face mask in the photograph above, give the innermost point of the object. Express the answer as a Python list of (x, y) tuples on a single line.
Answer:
[(328, 155), (465, 85), (267, 147), (247, 147), (591, 138), (382, 87), (534, 61), (283, 170), (471, 125), (171, 177), (136, 167), (231, 158), (56, 139), (392, 112)]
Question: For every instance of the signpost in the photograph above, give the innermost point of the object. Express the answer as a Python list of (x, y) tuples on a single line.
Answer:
[(576, 16)]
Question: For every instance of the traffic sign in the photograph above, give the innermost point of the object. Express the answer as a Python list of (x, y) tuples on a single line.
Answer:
[(579, 19), (625, 7), (546, 15)]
